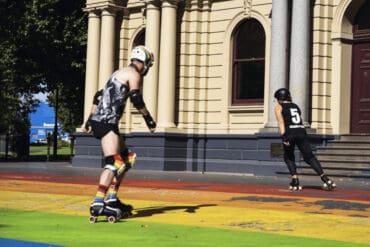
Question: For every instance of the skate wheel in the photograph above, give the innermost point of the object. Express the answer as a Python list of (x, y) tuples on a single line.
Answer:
[(93, 219), (295, 188), (112, 219), (329, 187)]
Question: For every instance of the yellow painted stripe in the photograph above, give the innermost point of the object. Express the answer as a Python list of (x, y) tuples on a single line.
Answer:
[(212, 214)]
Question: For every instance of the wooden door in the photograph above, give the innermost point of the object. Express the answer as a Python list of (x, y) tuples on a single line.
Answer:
[(360, 105)]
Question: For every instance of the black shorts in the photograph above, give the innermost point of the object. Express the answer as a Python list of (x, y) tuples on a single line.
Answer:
[(101, 129)]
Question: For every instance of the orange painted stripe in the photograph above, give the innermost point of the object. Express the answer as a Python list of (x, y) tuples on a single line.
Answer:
[(197, 186)]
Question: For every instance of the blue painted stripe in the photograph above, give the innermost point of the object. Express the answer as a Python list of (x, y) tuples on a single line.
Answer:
[(18, 243)]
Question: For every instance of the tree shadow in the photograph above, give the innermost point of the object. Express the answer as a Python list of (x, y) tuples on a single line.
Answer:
[(149, 211)]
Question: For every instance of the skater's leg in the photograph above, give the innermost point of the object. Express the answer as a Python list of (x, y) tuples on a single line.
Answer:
[(113, 189), (305, 148), (311, 159), (100, 194), (112, 198), (114, 186), (114, 165), (289, 158), (128, 155)]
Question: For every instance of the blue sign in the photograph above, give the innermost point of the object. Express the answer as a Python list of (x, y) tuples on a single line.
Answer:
[(42, 123)]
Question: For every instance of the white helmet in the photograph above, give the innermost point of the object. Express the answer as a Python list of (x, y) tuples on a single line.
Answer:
[(144, 55)]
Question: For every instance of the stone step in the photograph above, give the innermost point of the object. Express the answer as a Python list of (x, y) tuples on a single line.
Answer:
[(344, 157), (331, 173), (350, 165), (349, 144), (344, 150), (356, 137), (334, 171), (347, 157)]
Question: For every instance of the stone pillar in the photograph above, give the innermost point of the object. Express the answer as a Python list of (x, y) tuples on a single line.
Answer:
[(299, 55), (152, 33), (167, 66), (92, 61), (107, 46), (278, 55)]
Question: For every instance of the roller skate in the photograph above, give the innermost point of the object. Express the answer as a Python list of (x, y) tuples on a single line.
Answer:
[(328, 183), (100, 209), (294, 185), (125, 209)]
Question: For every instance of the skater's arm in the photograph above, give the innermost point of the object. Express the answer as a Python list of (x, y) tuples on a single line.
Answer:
[(280, 121), (136, 98), (87, 126)]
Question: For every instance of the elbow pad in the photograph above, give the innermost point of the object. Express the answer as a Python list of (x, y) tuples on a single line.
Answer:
[(137, 99), (97, 96)]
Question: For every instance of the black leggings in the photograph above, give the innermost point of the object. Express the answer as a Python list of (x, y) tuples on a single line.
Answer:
[(300, 140)]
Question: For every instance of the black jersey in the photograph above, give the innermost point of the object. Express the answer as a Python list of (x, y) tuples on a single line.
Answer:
[(112, 103), (292, 117)]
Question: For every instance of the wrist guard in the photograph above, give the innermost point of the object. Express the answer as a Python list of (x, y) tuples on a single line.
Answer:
[(149, 121), (284, 137), (88, 123)]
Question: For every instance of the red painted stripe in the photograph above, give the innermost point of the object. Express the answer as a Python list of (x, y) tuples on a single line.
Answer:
[(231, 188)]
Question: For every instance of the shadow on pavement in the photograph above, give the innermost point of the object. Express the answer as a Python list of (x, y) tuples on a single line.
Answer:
[(149, 211)]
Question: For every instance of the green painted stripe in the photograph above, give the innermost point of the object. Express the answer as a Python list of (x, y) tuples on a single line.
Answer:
[(76, 231)]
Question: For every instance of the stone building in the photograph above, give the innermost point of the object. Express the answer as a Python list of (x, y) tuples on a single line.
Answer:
[(217, 66)]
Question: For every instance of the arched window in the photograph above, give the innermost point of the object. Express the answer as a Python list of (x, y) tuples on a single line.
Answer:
[(361, 27), (139, 39), (248, 63)]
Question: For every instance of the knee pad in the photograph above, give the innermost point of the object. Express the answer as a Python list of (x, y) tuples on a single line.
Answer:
[(129, 157), (115, 163)]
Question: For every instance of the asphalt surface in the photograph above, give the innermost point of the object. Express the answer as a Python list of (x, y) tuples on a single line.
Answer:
[(66, 169)]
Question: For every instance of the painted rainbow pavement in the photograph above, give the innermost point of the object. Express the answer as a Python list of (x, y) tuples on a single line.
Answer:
[(244, 207)]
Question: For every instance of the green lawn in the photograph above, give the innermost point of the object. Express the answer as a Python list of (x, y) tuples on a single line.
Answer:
[(42, 150), (76, 231)]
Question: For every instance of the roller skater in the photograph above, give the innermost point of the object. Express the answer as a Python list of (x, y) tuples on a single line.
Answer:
[(107, 110), (293, 132)]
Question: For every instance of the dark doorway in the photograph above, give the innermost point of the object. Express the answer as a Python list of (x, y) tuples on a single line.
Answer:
[(360, 98)]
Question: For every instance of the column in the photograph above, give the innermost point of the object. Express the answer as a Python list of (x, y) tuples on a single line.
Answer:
[(92, 61), (278, 55), (106, 66), (152, 33), (167, 66), (299, 55)]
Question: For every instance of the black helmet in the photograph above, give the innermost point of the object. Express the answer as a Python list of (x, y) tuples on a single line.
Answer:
[(282, 94)]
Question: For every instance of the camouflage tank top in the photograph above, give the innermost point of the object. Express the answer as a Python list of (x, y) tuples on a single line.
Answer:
[(112, 103)]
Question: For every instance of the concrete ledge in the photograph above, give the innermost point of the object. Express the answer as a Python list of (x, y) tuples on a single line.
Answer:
[(246, 154)]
